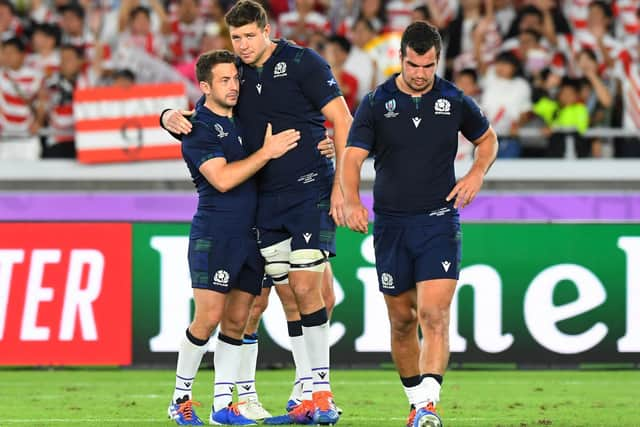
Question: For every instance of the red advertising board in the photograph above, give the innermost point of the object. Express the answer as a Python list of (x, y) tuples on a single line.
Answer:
[(65, 294)]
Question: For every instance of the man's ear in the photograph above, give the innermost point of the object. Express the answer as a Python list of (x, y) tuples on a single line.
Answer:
[(205, 88)]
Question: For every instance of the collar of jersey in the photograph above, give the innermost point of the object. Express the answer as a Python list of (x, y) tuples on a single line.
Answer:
[(204, 110), (280, 45), (391, 86)]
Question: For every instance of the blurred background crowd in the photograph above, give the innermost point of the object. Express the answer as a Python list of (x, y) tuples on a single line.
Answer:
[(548, 67)]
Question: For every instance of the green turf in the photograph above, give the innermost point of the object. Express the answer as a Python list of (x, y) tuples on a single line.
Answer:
[(368, 398)]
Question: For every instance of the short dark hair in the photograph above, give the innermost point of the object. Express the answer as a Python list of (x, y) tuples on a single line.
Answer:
[(420, 37), (209, 59), (124, 73), (603, 6), (341, 41), (471, 72), (78, 50), (572, 83), (138, 10), (15, 42), (367, 23), (73, 8), (424, 10), (246, 12), (509, 57), (50, 30), (530, 10)]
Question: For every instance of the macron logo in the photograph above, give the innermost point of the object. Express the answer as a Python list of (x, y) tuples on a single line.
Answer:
[(446, 265), (416, 121), (259, 87), (322, 375), (307, 237)]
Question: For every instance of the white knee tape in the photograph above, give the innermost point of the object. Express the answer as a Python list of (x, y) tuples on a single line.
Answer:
[(308, 260), (276, 259)]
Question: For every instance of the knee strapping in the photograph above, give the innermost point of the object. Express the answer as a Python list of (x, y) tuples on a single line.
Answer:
[(308, 260), (276, 259)]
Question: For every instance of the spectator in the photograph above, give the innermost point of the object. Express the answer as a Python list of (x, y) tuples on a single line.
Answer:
[(336, 54), (442, 12), (399, 14), (19, 86), (597, 94), (139, 35), (474, 38), (76, 33), (216, 36), (421, 13), (185, 32), (596, 36), (553, 21), (10, 25), (59, 95), (123, 79), (299, 24), (506, 100), (359, 63), (566, 113), (467, 81), (384, 49), (532, 53), (45, 40), (372, 10)]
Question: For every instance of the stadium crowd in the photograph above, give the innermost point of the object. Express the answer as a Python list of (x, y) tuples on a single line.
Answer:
[(555, 66)]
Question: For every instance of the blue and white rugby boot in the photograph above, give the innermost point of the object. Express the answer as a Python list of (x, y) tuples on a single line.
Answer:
[(427, 417), (230, 416), (183, 413)]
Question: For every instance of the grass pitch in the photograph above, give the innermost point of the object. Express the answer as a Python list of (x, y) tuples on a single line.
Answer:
[(114, 397)]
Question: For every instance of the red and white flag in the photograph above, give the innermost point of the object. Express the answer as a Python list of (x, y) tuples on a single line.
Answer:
[(122, 125)]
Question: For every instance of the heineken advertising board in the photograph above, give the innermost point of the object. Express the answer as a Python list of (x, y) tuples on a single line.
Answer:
[(528, 293)]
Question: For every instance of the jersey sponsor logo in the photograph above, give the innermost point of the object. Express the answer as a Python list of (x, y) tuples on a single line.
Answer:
[(221, 278), (280, 70), (446, 265), (332, 82), (439, 212), (220, 130), (259, 88), (307, 237), (387, 281), (390, 105), (442, 106), (307, 178), (416, 121)]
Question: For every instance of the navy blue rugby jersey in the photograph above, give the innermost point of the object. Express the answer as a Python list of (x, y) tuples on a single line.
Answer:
[(414, 141), (288, 91), (217, 136)]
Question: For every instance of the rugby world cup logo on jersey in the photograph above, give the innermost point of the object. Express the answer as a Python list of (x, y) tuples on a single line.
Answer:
[(221, 278), (390, 105), (220, 130), (280, 70), (442, 106)]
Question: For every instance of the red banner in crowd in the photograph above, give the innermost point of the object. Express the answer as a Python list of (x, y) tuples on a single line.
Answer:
[(65, 294), (122, 125)]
